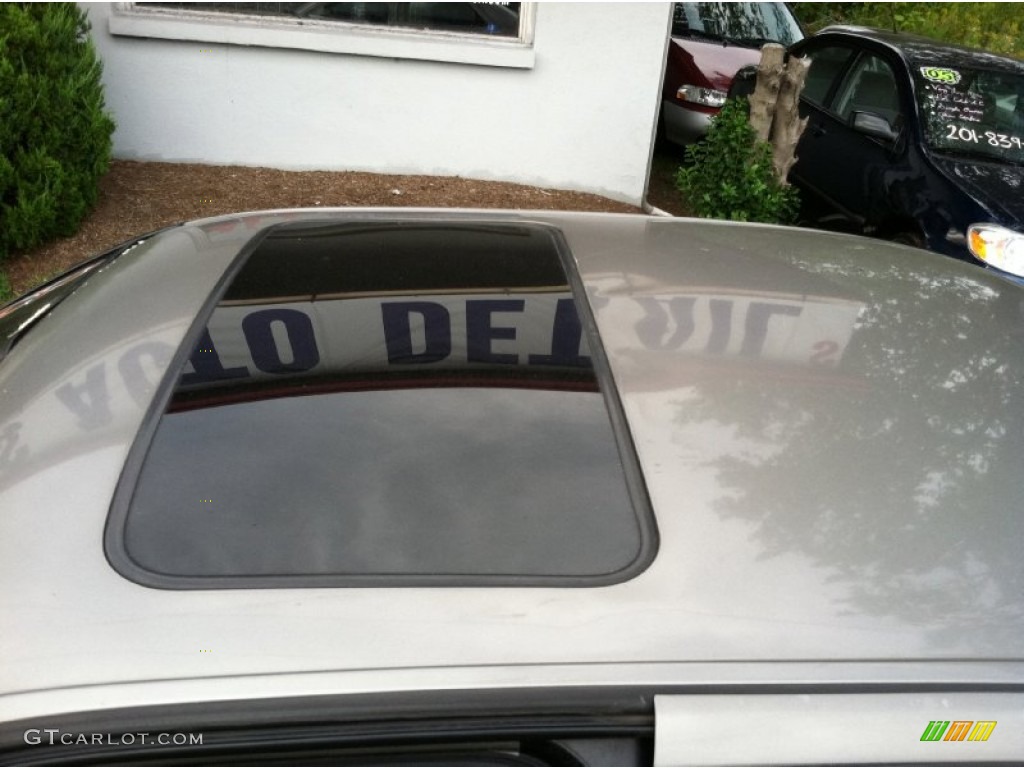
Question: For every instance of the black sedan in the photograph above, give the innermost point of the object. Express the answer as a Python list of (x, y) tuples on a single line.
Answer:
[(913, 140)]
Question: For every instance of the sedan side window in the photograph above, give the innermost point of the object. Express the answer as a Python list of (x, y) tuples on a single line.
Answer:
[(870, 87), (827, 64)]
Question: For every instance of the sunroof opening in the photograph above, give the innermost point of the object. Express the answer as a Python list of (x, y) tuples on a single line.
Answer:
[(388, 403)]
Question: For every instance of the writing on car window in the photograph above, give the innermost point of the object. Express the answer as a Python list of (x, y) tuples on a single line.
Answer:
[(966, 134), (973, 110)]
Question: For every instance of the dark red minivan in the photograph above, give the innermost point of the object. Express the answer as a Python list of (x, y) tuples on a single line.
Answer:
[(710, 43)]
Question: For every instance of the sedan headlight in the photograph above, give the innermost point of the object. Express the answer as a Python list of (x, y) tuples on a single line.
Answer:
[(707, 97), (998, 247)]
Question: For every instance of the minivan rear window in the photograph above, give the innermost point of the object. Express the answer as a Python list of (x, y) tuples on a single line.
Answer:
[(384, 403), (749, 24)]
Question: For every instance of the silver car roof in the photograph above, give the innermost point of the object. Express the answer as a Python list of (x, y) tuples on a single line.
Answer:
[(828, 428)]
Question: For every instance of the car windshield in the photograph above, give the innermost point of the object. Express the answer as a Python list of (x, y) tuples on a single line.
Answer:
[(972, 111), (751, 24)]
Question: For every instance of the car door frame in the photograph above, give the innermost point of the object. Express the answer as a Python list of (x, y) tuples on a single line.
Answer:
[(822, 118)]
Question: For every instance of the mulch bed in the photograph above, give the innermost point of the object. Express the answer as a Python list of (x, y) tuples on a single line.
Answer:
[(138, 197)]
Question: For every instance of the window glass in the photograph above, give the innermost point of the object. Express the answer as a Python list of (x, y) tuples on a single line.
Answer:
[(827, 65), (870, 87), (971, 111), (751, 24), (501, 19), (407, 404)]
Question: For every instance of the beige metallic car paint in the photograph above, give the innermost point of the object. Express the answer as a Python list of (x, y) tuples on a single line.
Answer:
[(836, 483)]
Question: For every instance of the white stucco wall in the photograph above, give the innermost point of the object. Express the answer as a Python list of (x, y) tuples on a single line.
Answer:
[(581, 117)]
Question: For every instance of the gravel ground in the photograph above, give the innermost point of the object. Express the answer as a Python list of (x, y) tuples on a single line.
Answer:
[(139, 197)]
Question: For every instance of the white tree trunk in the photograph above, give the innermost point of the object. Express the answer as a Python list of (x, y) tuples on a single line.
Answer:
[(787, 126), (762, 100), (775, 106)]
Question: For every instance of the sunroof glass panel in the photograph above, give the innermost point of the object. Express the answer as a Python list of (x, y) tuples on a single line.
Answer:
[(388, 403)]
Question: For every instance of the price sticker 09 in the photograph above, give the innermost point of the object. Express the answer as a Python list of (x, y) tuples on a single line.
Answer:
[(940, 75)]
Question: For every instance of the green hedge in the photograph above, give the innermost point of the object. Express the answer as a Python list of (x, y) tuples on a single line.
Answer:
[(55, 137), (996, 27), (730, 175)]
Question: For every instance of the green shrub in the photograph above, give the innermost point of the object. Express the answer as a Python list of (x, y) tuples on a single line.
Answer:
[(730, 175), (996, 27), (55, 137)]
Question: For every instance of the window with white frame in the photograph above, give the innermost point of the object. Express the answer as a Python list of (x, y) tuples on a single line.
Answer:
[(495, 34), (500, 19)]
